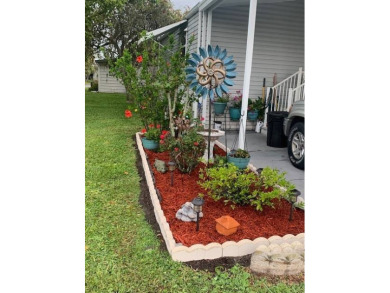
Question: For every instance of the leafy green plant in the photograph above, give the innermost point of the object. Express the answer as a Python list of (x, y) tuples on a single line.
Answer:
[(155, 81), (228, 183), (244, 187), (219, 161), (233, 280), (94, 86), (271, 185), (240, 153), (153, 134), (185, 150), (257, 105), (224, 99)]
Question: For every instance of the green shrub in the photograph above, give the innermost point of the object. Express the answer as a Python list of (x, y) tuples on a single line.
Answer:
[(185, 150), (94, 86), (244, 187), (228, 183)]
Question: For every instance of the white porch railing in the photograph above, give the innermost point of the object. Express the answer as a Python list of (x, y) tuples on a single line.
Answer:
[(296, 94), (285, 93)]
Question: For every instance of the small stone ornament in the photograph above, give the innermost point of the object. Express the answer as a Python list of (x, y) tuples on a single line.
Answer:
[(160, 166), (186, 213)]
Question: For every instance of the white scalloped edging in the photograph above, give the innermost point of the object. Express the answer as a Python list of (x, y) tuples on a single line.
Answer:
[(212, 250)]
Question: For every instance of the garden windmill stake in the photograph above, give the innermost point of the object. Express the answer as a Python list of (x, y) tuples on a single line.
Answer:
[(210, 71)]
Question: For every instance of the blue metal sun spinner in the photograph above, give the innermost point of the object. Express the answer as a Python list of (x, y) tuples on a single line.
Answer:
[(210, 72)]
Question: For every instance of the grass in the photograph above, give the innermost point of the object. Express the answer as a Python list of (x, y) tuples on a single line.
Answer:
[(122, 252)]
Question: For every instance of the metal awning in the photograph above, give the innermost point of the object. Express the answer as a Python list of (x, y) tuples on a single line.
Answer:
[(164, 30)]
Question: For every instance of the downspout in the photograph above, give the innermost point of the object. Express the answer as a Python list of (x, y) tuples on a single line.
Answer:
[(195, 104), (203, 42), (248, 70)]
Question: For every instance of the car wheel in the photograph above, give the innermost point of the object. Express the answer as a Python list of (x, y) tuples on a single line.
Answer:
[(296, 145)]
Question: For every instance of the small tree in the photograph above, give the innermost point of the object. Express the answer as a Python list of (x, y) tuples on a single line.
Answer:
[(154, 80)]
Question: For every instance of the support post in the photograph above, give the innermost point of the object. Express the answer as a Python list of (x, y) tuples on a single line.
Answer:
[(248, 69)]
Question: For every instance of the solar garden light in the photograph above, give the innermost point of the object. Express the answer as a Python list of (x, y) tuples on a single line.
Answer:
[(171, 167), (198, 203), (293, 199)]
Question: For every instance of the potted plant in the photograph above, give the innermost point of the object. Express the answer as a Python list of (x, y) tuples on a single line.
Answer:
[(253, 112), (240, 158), (220, 104), (151, 138), (235, 108)]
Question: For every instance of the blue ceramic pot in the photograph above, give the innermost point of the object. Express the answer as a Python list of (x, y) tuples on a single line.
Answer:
[(241, 163), (149, 144), (219, 108), (235, 113), (252, 115)]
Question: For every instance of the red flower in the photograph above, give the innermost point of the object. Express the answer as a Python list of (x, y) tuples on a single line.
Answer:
[(161, 142), (162, 136), (143, 130), (176, 149), (128, 113), (196, 143), (139, 59), (151, 125), (164, 132), (158, 126), (201, 119)]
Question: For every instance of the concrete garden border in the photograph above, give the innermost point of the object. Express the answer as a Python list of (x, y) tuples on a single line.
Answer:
[(274, 245)]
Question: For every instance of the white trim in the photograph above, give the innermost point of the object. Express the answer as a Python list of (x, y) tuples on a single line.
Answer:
[(248, 70), (204, 23), (199, 29), (205, 101), (161, 30), (209, 22)]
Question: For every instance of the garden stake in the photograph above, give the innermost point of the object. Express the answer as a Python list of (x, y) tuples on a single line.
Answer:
[(210, 71), (171, 167), (209, 138), (293, 199), (198, 203)]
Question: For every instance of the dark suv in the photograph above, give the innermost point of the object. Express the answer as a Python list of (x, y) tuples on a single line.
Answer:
[(294, 129)]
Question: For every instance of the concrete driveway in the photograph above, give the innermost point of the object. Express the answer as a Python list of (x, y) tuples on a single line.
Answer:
[(263, 156)]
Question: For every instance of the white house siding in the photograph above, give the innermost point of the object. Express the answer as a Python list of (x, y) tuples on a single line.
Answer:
[(108, 83), (278, 45), (192, 30)]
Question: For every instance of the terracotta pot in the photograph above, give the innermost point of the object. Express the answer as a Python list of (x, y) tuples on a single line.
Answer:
[(226, 225)]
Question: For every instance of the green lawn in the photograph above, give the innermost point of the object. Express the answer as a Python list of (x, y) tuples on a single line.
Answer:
[(122, 253)]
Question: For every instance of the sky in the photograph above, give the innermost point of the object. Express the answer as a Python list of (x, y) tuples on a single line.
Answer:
[(181, 4)]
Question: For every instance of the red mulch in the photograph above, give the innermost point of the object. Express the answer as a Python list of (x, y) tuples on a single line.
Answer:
[(253, 224)]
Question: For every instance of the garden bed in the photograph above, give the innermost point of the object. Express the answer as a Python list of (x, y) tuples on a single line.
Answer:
[(271, 226)]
